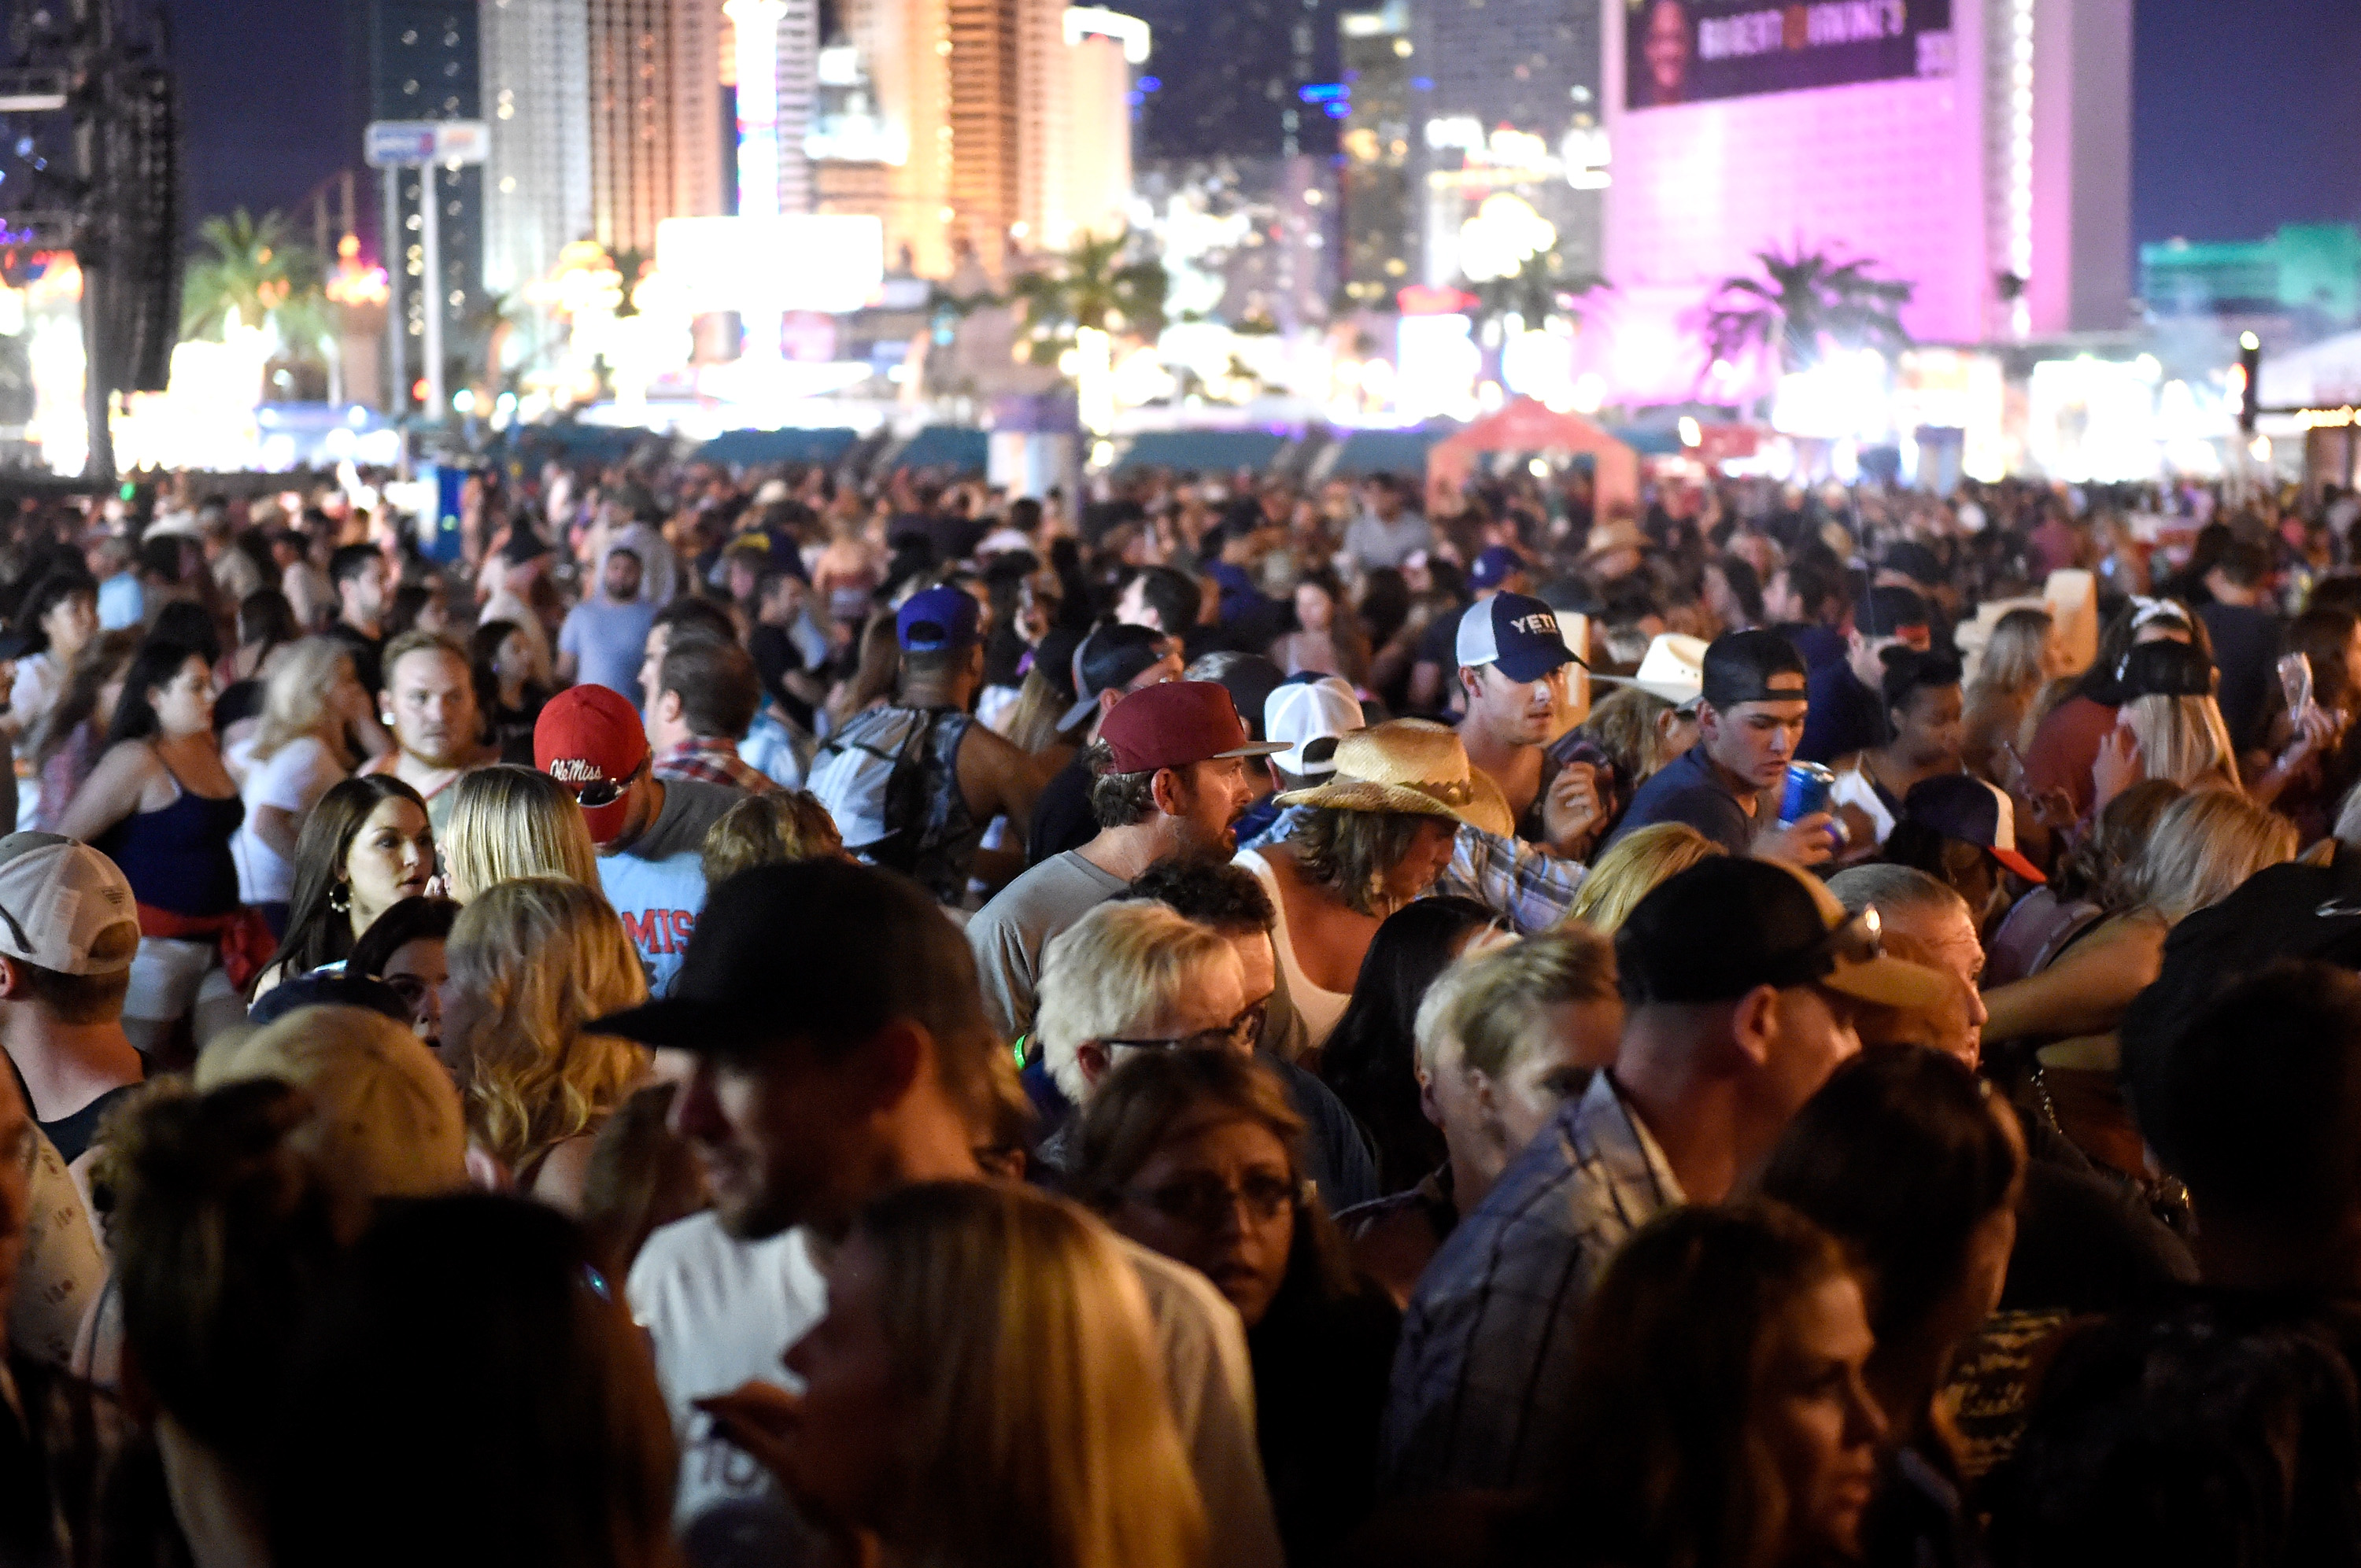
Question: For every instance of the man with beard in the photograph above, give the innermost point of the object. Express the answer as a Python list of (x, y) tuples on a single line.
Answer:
[(650, 831), (429, 705), (883, 1072), (1168, 777)]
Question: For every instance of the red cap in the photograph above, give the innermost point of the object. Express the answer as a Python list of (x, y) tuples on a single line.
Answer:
[(1178, 723), (588, 734)]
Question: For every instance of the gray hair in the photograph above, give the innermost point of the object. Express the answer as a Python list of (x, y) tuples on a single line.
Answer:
[(1890, 888)]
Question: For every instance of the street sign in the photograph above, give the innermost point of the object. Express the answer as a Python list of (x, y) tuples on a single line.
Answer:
[(462, 141), (389, 144)]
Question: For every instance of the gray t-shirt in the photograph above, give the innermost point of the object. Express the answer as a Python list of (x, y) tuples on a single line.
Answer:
[(658, 885), (1373, 542), (1009, 933)]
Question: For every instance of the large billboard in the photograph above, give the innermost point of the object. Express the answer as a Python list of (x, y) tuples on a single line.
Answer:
[(1694, 52)]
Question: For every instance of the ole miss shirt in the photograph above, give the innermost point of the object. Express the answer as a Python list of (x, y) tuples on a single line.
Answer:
[(658, 885)]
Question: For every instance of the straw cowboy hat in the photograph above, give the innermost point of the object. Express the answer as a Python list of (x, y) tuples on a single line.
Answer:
[(1620, 534), (1410, 765)]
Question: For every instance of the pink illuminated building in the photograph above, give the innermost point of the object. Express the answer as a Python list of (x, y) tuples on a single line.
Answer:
[(1978, 148)]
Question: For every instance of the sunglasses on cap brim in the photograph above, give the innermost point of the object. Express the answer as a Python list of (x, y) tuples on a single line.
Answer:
[(591, 797)]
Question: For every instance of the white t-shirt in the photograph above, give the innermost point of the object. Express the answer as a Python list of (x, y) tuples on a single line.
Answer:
[(37, 680), (721, 1312), (292, 778)]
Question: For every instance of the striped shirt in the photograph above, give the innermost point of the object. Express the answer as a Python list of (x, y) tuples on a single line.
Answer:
[(1477, 1395)]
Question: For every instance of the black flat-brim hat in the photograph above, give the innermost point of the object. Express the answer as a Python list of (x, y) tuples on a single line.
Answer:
[(825, 949)]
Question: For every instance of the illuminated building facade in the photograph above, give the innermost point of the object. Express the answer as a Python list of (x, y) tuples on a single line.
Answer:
[(1505, 98), (422, 60), (769, 62), (1978, 149), (536, 98), (982, 129), (1374, 186), (656, 144), (1231, 75)]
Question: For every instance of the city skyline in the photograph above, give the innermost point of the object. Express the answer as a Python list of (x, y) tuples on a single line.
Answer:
[(2205, 165)]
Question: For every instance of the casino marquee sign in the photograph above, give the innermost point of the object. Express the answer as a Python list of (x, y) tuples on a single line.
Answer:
[(1695, 51)]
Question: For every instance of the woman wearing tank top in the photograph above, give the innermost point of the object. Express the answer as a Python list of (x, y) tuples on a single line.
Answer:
[(162, 805)]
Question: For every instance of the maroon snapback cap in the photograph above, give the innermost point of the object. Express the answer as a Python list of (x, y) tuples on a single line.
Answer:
[(1178, 723)]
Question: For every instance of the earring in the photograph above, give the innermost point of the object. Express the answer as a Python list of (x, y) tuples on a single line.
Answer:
[(340, 898)]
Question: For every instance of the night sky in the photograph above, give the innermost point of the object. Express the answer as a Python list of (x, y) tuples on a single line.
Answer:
[(2244, 114)]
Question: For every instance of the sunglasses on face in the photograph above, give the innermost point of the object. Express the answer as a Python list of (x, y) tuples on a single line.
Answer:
[(1245, 1030)]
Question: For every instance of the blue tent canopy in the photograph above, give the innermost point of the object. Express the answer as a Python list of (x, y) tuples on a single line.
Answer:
[(745, 448), (1204, 451), (1386, 452), (599, 442), (946, 447)]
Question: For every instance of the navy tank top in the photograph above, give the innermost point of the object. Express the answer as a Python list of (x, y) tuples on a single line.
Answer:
[(179, 858)]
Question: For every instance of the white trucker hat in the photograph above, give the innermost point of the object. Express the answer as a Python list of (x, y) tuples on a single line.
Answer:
[(1304, 713), (65, 906)]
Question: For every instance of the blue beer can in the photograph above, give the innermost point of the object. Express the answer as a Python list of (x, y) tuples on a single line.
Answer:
[(1808, 788)]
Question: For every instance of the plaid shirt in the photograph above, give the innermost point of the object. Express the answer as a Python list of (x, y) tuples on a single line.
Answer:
[(1529, 889), (1477, 1397), (706, 760)]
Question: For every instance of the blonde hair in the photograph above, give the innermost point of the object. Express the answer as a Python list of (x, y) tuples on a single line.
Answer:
[(295, 699), (538, 959), (509, 822), (783, 825), (2201, 847), (2182, 738), (1494, 1005), (1625, 724), (1631, 870), (2013, 661), (1041, 1433), (1119, 967)]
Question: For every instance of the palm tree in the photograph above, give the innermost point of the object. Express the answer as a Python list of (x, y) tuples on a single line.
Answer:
[(268, 279), (1800, 304), (1098, 282), (1538, 288)]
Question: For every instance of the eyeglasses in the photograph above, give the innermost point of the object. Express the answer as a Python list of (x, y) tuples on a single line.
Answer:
[(591, 797), (1206, 1200), (1245, 1030)]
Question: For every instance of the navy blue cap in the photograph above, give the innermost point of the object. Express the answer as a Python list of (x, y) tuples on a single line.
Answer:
[(938, 620), (1517, 632), (1494, 567)]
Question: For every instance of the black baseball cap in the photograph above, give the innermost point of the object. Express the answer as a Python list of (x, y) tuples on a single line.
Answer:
[(1914, 561), (1250, 679), (1740, 666), (824, 949), (1727, 925), (1887, 611), (329, 991), (2282, 912), (1110, 659), (2165, 668)]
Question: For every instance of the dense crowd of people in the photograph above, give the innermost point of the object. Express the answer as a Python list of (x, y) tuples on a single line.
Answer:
[(744, 1018)]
